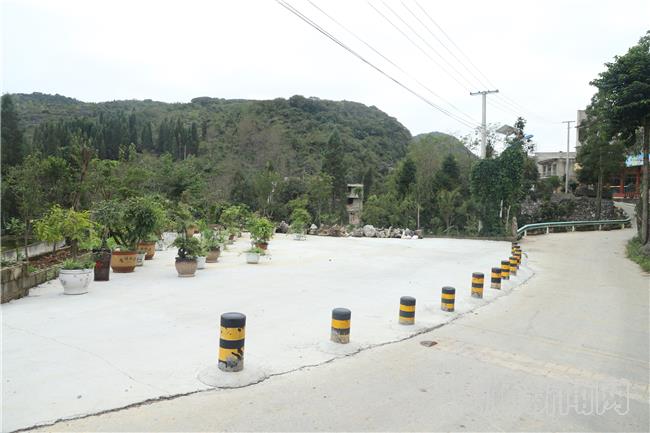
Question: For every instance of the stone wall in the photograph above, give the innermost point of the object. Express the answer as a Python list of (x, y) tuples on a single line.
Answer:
[(17, 280)]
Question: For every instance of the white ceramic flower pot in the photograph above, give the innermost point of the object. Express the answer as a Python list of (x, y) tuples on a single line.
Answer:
[(200, 262), (252, 258), (75, 281), (139, 259)]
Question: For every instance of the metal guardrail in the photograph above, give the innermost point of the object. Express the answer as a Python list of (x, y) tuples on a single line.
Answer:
[(523, 231)]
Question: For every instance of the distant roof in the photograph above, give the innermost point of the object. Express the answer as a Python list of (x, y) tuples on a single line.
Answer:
[(507, 130), (541, 156)]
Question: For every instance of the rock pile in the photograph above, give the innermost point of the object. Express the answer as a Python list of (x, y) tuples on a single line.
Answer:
[(367, 231), (563, 207)]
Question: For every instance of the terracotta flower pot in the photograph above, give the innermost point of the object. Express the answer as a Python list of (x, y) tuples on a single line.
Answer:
[(262, 245), (102, 265), (213, 256), (123, 261), (149, 248), (186, 267)]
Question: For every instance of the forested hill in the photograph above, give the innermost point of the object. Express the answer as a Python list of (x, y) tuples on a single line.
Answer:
[(234, 134)]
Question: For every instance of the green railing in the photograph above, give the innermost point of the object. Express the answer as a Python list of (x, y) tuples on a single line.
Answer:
[(523, 231)]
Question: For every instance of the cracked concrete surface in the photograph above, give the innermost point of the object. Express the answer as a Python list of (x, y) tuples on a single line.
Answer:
[(151, 335), (566, 351)]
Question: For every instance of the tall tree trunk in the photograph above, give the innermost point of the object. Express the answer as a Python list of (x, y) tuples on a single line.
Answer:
[(599, 193), (26, 238), (645, 223)]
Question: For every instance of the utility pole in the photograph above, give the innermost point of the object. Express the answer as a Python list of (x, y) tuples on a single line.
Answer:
[(483, 93), (566, 169)]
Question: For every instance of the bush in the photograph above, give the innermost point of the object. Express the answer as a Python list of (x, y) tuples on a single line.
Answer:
[(261, 229), (636, 254)]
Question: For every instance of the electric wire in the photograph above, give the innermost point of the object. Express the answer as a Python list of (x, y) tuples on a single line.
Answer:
[(313, 24), (392, 62)]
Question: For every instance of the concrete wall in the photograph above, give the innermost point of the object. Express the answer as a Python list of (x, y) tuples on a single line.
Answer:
[(34, 250)]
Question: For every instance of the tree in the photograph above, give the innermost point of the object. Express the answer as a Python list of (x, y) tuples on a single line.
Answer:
[(24, 182), (319, 190), (600, 156), (448, 205), (265, 183), (624, 97), (405, 178), (333, 165), (12, 135), (448, 177)]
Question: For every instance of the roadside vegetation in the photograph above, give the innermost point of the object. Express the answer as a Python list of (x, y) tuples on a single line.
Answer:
[(636, 254)]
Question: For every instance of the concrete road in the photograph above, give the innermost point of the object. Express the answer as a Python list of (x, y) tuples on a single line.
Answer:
[(566, 351)]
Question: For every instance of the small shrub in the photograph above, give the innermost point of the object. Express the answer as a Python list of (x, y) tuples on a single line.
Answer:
[(636, 254)]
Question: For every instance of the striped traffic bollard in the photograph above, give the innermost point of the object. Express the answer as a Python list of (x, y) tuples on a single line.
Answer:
[(513, 265), (477, 284), (517, 254), (231, 343), (448, 298), (341, 325), (406, 310), (495, 281), (505, 269)]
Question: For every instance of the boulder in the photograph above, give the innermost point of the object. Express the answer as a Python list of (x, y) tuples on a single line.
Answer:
[(357, 232), (313, 229), (408, 232), (382, 233), (419, 233), (283, 227), (396, 233), (323, 230), (369, 231)]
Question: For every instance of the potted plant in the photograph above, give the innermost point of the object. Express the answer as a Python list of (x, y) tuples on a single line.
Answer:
[(201, 256), (233, 218), (212, 241), (138, 218), (188, 250), (75, 276), (152, 224), (102, 213), (78, 229), (188, 246), (253, 255), (261, 230), (148, 246), (299, 220), (139, 257)]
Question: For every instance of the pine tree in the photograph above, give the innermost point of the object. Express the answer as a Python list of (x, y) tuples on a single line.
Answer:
[(13, 149), (334, 166)]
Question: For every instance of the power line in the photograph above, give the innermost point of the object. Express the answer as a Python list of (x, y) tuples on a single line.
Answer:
[(392, 62), (417, 45), (468, 82), (478, 80), (313, 24), (506, 102)]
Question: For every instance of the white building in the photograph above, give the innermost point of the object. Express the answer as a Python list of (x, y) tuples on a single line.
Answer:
[(554, 164)]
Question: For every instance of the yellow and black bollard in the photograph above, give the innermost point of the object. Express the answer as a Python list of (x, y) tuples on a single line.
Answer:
[(495, 281), (513, 265), (341, 325), (448, 298), (231, 343), (505, 269), (406, 310), (477, 284), (517, 254)]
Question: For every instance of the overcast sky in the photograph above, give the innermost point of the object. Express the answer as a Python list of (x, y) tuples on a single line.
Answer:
[(540, 55)]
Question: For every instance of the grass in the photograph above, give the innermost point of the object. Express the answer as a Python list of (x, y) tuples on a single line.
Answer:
[(635, 254)]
